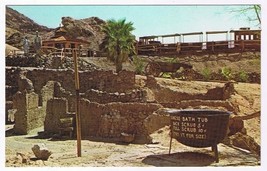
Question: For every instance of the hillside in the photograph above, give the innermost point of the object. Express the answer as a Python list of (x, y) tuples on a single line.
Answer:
[(88, 29), (19, 25)]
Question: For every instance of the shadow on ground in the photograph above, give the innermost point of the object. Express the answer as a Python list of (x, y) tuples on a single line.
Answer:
[(180, 159), (9, 130), (58, 137), (9, 133)]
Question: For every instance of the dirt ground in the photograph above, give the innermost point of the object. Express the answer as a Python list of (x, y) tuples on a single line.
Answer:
[(103, 153)]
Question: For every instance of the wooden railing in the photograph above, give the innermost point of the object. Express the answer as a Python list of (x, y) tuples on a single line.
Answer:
[(195, 47), (63, 52)]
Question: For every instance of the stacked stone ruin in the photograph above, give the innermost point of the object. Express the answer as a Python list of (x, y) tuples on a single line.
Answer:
[(111, 103)]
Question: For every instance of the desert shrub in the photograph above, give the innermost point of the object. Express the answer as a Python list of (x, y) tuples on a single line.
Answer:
[(226, 73), (139, 65), (243, 76), (171, 60), (174, 60), (206, 73), (255, 62), (166, 75)]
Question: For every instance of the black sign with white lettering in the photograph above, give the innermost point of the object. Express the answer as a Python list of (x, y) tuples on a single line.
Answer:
[(199, 128), (189, 127)]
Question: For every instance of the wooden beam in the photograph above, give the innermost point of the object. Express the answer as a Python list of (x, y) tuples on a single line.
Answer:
[(194, 33), (216, 32), (78, 117)]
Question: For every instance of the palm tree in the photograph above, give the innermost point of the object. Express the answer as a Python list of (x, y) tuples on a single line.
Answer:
[(119, 41)]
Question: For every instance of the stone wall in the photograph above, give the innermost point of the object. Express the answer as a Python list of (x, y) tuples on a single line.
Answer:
[(57, 108), (112, 119), (135, 95), (188, 90), (29, 113), (98, 80), (22, 61), (108, 120), (99, 86), (12, 76)]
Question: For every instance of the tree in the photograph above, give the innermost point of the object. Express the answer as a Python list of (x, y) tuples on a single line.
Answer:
[(251, 12), (257, 9), (119, 41)]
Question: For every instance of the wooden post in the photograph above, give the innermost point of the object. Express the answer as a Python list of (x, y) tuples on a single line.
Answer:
[(78, 117), (170, 147), (242, 45)]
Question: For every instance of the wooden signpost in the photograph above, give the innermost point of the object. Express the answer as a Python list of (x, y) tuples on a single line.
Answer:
[(78, 117)]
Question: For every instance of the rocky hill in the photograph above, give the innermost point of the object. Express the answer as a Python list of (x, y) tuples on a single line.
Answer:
[(88, 29), (19, 25)]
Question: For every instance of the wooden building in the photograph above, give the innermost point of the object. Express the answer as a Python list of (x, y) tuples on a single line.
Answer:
[(246, 39), (246, 34), (62, 40)]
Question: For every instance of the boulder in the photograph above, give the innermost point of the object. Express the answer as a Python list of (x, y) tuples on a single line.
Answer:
[(41, 151), (236, 124), (246, 142)]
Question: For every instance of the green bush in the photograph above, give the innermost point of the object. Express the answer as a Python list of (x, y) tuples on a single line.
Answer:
[(174, 60), (206, 73), (166, 75), (243, 76), (227, 73), (139, 65)]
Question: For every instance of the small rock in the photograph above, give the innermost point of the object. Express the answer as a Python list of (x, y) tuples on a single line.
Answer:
[(24, 157), (160, 131), (235, 125), (41, 151), (39, 162)]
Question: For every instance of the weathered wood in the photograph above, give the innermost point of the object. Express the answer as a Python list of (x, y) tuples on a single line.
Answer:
[(77, 85)]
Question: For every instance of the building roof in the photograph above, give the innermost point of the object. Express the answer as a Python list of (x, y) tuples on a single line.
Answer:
[(64, 39), (245, 31), (148, 37), (171, 35), (165, 35), (194, 33), (216, 32)]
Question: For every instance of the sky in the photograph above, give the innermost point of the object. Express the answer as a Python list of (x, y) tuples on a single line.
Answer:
[(147, 19)]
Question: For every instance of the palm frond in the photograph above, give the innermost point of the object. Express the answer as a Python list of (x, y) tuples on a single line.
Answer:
[(119, 41)]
